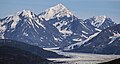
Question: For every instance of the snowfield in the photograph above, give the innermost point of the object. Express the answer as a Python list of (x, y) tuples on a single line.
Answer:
[(81, 58)]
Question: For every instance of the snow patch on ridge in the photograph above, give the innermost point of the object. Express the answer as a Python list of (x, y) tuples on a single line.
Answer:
[(80, 43), (37, 21), (98, 21), (25, 34), (58, 25), (114, 37), (84, 32), (16, 19), (98, 29), (78, 40), (27, 13)]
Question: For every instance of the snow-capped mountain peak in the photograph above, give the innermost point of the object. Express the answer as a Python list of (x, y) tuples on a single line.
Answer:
[(56, 11), (27, 13), (15, 18), (98, 20)]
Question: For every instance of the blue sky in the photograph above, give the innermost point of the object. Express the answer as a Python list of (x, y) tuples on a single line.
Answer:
[(82, 8)]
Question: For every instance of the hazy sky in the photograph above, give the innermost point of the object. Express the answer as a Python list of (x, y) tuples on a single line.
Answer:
[(81, 8)]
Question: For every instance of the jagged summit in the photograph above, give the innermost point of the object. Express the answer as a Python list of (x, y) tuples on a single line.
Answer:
[(99, 18), (56, 11), (100, 22), (15, 18), (27, 13)]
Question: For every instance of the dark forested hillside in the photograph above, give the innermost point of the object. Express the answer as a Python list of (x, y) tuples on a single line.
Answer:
[(11, 55), (31, 48)]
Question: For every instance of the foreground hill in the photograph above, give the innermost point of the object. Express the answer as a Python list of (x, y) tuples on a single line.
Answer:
[(116, 61), (30, 48), (11, 55)]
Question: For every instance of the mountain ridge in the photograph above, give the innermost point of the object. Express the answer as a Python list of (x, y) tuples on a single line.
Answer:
[(107, 39), (56, 31)]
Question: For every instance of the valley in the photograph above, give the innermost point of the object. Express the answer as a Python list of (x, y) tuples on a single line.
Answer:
[(81, 58)]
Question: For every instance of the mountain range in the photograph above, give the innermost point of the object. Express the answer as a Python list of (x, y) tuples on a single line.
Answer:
[(106, 42), (55, 27)]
